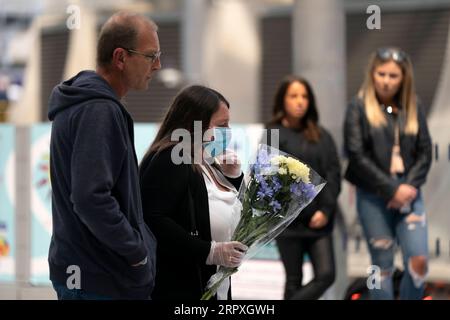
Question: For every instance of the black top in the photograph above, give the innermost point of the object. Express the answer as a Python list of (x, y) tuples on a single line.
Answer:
[(321, 157), (369, 151), (96, 203), (181, 270)]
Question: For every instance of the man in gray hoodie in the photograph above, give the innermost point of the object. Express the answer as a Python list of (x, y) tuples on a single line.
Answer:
[(100, 247)]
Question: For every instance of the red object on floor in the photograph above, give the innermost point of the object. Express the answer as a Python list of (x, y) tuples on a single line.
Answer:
[(356, 296)]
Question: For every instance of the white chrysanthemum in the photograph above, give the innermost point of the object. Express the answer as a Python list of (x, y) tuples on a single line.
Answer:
[(278, 160), (282, 171), (298, 170)]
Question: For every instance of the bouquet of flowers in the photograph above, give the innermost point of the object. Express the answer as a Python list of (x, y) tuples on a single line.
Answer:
[(277, 189)]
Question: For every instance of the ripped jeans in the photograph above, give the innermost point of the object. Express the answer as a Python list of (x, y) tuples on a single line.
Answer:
[(383, 229)]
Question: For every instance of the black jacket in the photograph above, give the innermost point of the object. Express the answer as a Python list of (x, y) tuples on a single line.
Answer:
[(322, 157), (97, 213), (369, 151), (181, 270)]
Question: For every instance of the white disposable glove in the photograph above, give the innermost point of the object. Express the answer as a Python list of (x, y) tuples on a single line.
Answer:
[(227, 254), (229, 163)]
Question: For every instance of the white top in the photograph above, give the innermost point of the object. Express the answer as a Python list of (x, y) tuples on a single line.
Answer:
[(224, 213)]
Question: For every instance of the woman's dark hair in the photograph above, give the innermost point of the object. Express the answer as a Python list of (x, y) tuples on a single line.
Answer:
[(309, 123), (194, 103)]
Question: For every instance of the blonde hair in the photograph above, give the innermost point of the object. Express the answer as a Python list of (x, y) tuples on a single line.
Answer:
[(406, 94)]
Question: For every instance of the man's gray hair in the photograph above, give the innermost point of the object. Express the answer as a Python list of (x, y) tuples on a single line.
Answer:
[(120, 31)]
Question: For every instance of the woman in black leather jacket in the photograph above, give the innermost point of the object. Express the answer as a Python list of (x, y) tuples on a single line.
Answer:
[(389, 149)]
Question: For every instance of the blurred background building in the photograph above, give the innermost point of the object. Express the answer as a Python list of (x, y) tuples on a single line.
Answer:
[(241, 48)]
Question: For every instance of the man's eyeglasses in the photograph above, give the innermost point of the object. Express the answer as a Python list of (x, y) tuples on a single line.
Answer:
[(152, 57), (391, 53)]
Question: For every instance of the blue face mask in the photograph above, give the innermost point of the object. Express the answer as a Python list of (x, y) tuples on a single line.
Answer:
[(222, 138)]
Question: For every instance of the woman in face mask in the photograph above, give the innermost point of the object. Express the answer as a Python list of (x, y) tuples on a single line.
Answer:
[(189, 183)]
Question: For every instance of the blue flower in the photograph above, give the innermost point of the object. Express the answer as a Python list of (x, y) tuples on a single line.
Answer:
[(259, 178), (308, 190), (295, 188), (276, 185), (303, 189), (265, 193), (264, 189), (263, 158), (275, 205), (262, 162)]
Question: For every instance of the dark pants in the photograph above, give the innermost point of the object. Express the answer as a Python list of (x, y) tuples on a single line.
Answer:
[(65, 293), (320, 251)]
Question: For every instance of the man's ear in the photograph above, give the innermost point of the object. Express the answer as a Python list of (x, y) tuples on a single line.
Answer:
[(118, 58)]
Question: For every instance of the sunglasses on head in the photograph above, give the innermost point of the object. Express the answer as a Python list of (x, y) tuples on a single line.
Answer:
[(391, 53)]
